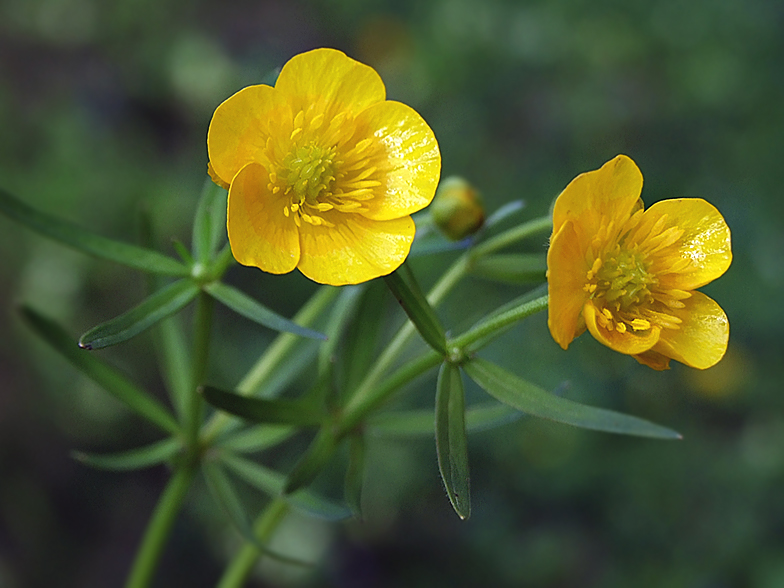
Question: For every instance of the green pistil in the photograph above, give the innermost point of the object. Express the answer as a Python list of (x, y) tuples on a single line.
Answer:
[(310, 172)]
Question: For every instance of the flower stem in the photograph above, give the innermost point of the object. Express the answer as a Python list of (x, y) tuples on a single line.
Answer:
[(160, 525), (241, 566), (202, 326)]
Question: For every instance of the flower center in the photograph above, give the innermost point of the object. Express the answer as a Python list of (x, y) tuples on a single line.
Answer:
[(310, 171), (623, 283)]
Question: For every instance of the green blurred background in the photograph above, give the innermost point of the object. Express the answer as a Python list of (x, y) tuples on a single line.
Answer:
[(104, 108)]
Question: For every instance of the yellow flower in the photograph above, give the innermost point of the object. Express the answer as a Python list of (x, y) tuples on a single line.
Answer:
[(323, 172), (629, 275)]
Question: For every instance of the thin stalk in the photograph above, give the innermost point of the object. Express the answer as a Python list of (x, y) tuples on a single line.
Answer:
[(202, 327), (513, 235), (159, 527), (242, 564), (498, 322)]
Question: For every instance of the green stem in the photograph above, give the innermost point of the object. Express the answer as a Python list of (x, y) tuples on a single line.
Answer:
[(202, 326), (159, 527), (241, 566), (496, 323), (272, 357), (513, 235)]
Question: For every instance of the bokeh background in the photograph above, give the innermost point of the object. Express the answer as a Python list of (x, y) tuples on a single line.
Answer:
[(104, 108)]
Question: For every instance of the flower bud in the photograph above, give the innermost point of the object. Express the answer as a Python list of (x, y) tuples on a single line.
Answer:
[(457, 208)]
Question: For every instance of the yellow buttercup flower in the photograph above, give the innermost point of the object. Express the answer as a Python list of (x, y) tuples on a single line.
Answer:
[(323, 172), (630, 275)]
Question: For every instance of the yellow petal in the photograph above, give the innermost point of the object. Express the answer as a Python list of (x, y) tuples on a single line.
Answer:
[(410, 155), (332, 78), (705, 241), (701, 340), (613, 191), (259, 234), (566, 270), (653, 360), (239, 129), (630, 342), (355, 250)]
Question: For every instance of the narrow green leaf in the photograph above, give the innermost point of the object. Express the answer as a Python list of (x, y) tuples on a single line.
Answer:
[(314, 459), (257, 438), (419, 423), (210, 222), (355, 473), (535, 401), (116, 384), (243, 304), (272, 482), (451, 439), (406, 289), (74, 236), (223, 493), (515, 268), (135, 459), (160, 305), (264, 410)]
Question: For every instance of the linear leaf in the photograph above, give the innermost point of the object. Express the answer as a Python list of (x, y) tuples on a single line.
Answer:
[(359, 345), (451, 439), (419, 423), (272, 482), (135, 459), (507, 210), (209, 224), (112, 381), (156, 307), (406, 289), (264, 410), (509, 389), (257, 438), (515, 268), (74, 236), (243, 304)]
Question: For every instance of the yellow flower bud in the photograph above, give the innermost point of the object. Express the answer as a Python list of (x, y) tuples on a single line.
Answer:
[(457, 208)]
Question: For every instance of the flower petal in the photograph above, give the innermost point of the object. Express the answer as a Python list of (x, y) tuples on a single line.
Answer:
[(259, 234), (701, 340), (239, 129), (629, 342), (613, 191), (408, 158), (330, 77), (653, 360), (705, 241), (566, 276), (355, 250)]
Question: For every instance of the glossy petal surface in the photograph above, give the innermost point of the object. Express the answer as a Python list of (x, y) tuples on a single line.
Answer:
[(566, 276), (329, 77), (702, 338), (612, 191), (705, 242), (355, 250), (412, 161), (259, 234)]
